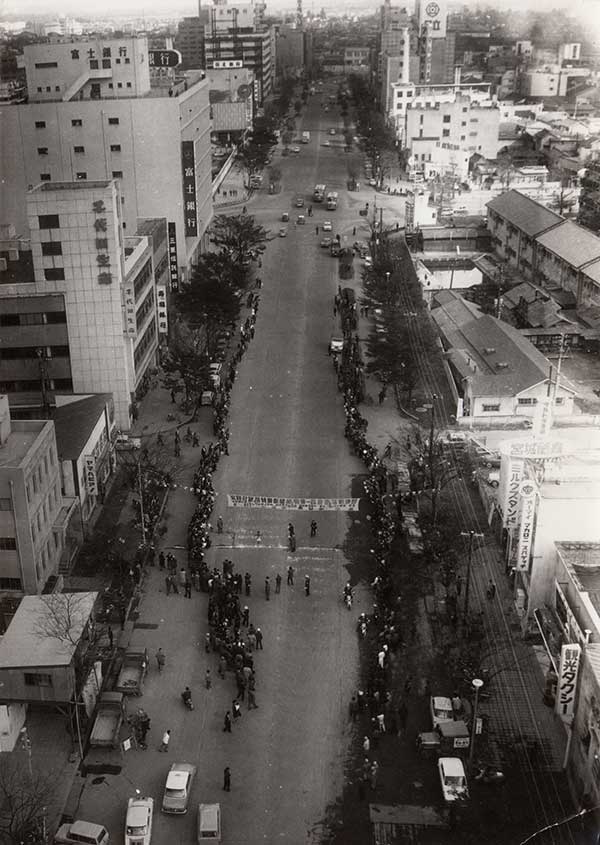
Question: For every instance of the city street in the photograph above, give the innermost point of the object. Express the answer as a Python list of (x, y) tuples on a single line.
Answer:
[(286, 757)]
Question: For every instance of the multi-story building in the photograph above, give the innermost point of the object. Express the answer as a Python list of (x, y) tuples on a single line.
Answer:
[(96, 111), (190, 41), (589, 197), (442, 133), (236, 33), (87, 321), (436, 45), (31, 537), (231, 92), (290, 53)]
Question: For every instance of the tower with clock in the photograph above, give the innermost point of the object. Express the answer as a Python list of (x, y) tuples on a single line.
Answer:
[(433, 15)]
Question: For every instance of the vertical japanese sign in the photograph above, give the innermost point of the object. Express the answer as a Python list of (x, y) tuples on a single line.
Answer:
[(173, 271), (511, 504), (527, 496), (91, 480), (101, 243), (161, 308), (570, 656), (188, 165), (129, 301)]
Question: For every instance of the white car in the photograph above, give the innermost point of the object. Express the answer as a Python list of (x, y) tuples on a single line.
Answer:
[(441, 710), (296, 150), (124, 442), (327, 227), (332, 131), (453, 779), (178, 788), (138, 822), (283, 232)]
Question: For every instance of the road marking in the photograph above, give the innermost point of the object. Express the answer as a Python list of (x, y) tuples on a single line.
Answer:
[(284, 503)]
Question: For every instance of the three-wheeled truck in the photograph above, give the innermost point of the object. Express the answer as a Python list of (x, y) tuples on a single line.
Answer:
[(110, 713), (132, 672), (449, 739)]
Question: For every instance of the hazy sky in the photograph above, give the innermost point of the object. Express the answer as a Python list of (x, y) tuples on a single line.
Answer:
[(587, 9)]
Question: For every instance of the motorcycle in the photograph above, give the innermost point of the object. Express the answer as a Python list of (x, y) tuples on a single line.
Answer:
[(487, 774), (186, 697)]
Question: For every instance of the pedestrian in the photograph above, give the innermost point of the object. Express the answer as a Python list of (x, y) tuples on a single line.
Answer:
[(459, 584), (278, 583), (366, 745), (373, 774), (247, 582), (160, 659), (313, 528), (144, 727), (290, 576), (246, 616), (207, 642), (491, 589), (161, 560), (227, 779), (227, 723), (164, 746), (110, 637), (237, 710), (381, 395), (353, 709), (173, 397), (258, 538), (259, 640), (292, 542), (381, 723), (188, 587), (222, 666), (316, 230), (219, 525), (196, 580), (307, 585), (267, 588), (291, 531), (252, 705), (381, 659), (354, 230), (208, 679)]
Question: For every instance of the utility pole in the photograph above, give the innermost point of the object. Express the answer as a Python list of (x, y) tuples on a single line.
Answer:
[(471, 535)]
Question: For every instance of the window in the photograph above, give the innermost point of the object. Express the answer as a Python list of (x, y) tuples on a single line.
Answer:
[(119, 84), (51, 248), (115, 148), (40, 124), (127, 61), (463, 137), (74, 54), (446, 118), (527, 400), (463, 123), (76, 122), (10, 584), (37, 679), (79, 150), (128, 84), (106, 64), (94, 64), (465, 110), (59, 352), (54, 274), (39, 90), (56, 317), (490, 408), (445, 133), (5, 505), (57, 87), (8, 544), (48, 89), (81, 175), (48, 221), (41, 65), (45, 177), (42, 151), (117, 174), (9, 320), (113, 121), (62, 384), (111, 86), (560, 400)]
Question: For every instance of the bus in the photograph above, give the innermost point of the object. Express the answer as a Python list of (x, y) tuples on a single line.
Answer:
[(319, 193), (332, 200)]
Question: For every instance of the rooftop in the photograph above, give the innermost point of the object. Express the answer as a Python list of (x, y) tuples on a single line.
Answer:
[(22, 436), (524, 213), (572, 243), (583, 560), (74, 423), (28, 641)]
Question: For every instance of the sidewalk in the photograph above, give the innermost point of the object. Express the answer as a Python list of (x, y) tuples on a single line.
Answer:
[(233, 191)]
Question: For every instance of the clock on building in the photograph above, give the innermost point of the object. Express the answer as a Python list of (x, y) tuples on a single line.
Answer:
[(432, 10)]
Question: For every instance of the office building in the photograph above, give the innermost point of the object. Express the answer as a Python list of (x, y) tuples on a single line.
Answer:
[(98, 111)]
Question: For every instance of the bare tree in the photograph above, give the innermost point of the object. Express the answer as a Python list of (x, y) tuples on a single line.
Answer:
[(24, 798), (65, 617)]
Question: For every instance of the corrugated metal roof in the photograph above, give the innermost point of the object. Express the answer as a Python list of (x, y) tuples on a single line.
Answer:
[(572, 243), (524, 213)]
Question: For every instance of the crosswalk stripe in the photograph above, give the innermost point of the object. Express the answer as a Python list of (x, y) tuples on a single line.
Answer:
[(292, 503)]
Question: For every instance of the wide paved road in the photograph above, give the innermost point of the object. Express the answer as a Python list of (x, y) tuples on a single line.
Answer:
[(287, 422)]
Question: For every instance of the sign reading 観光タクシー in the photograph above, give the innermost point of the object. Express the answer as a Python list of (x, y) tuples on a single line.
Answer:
[(188, 165), (527, 494), (570, 655)]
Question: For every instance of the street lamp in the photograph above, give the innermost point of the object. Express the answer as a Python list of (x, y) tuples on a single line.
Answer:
[(477, 684)]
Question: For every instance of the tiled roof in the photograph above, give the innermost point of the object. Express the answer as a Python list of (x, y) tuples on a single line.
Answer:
[(455, 314), (525, 291), (592, 271), (74, 423), (525, 365), (524, 213), (572, 243)]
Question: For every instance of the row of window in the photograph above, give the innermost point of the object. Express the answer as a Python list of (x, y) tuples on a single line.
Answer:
[(11, 584), (17, 353), (28, 385), (34, 318), (491, 409), (81, 176), (147, 338), (8, 544), (78, 122)]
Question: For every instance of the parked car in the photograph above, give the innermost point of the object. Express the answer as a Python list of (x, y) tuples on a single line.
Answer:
[(336, 345), (178, 787), (327, 227), (453, 779), (138, 821), (441, 710), (209, 823), (296, 150), (493, 478), (327, 144), (283, 232), (124, 442), (215, 374), (299, 202), (332, 131), (74, 833), (326, 242)]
